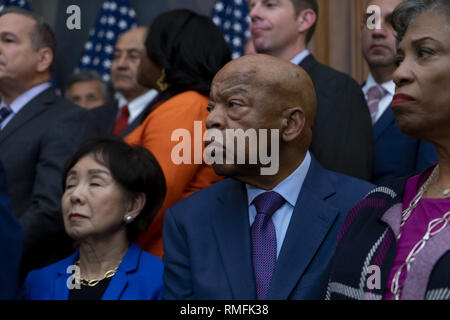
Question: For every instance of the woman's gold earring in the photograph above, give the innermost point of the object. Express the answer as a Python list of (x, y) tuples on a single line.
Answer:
[(162, 85)]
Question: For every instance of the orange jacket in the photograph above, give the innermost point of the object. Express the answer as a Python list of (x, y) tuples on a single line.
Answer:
[(155, 134)]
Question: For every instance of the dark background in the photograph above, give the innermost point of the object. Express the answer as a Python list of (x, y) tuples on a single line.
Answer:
[(70, 43)]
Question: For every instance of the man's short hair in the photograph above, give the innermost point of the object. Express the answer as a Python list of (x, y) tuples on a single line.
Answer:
[(89, 75), (42, 35), (300, 5)]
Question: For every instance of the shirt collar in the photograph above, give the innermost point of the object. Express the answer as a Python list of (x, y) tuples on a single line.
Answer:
[(300, 57), (289, 188), (137, 105), (27, 96)]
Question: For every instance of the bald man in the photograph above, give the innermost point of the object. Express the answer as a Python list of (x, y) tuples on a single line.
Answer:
[(126, 112), (269, 230)]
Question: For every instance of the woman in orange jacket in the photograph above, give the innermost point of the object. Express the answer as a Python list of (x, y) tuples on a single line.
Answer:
[(184, 52)]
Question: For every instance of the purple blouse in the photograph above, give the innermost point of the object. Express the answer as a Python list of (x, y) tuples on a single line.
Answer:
[(416, 226)]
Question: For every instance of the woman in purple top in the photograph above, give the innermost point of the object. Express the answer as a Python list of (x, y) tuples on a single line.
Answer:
[(395, 244)]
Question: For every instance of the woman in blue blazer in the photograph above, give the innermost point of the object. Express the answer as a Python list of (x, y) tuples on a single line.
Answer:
[(112, 191)]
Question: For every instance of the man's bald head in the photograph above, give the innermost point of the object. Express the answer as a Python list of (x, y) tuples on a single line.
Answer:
[(287, 84)]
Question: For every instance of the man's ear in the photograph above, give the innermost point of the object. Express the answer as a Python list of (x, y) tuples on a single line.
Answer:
[(306, 19), (45, 56), (293, 123), (136, 205)]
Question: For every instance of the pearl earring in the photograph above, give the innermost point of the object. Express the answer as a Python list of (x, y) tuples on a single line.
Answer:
[(128, 219)]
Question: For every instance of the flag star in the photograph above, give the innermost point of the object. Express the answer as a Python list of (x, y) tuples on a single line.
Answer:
[(248, 35), (227, 24), (88, 45), (106, 77), (113, 6), (123, 10), (123, 24), (86, 60), (237, 42), (216, 20), (237, 13), (227, 38), (132, 13), (92, 32), (107, 64), (101, 33), (98, 47), (103, 20), (111, 20), (109, 49), (237, 27), (110, 35), (219, 6), (235, 55), (238, 2), (96, 61), (106, 5), (248, 19), (134, 25)]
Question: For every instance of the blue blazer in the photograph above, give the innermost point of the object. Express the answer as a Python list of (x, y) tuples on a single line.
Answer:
[(10, 245), (396, 154), (207, 248), (139, 277)]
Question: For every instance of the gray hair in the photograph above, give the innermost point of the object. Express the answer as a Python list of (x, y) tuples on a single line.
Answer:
[(406, 12), (89, 75), (42, 35)]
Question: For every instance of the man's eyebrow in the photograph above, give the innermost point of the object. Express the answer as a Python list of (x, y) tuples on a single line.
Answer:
[(234, 90)]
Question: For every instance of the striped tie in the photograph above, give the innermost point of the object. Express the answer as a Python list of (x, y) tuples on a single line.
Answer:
[(375, 94), (264, 241)]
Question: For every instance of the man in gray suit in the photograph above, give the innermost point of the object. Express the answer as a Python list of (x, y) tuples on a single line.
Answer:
[(38, 132)]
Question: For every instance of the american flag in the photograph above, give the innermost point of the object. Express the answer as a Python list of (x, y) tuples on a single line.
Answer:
[(16, 3), (231, 16), (116, 17)]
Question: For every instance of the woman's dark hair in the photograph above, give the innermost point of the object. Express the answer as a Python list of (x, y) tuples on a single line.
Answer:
[(190, 48), (134, 168), (407, 11)]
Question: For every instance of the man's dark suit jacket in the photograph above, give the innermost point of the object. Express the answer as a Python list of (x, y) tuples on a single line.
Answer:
[(10, 245), (105, 118), (207, 246), (34, 147), (342, 131), (396, 154)]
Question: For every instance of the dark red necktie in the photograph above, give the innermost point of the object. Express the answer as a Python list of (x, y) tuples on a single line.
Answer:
[(122, 121), (264, 241)]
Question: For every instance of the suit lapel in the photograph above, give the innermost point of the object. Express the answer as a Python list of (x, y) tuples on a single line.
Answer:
[(61, 287), (232, 228), (32, 109), (119, 282), (308, 63), (383, 122), (311, 220)]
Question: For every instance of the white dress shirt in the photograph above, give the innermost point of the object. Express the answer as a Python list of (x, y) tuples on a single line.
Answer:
[(136, 106)]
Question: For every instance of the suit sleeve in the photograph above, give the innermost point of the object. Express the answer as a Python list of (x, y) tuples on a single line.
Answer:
[(42, 222), (177, 272)]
